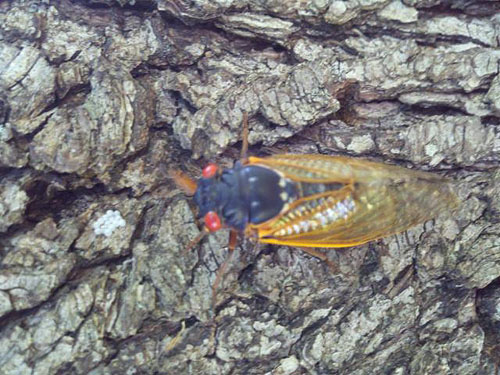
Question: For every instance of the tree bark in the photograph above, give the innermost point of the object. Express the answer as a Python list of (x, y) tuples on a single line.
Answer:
[(100, 99)]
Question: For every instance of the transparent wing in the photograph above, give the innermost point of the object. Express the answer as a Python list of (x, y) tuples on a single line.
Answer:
[(386, 200)]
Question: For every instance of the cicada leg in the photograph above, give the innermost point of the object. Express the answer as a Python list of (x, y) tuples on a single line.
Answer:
[(173, 342), (233, 241), (195, 241), (321, 256)]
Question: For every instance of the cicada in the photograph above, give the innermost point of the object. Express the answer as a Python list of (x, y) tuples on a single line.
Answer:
[(317, 200)]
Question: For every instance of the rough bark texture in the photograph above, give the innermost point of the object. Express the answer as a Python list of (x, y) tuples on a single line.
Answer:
[(100, 98)]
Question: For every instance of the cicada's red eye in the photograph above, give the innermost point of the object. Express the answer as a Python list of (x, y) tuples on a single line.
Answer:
[(212, 221), (209, 171)]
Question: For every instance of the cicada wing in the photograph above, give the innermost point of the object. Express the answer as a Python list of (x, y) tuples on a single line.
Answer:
[(183, 181), (382, 200), (326, 169), (308, 168)]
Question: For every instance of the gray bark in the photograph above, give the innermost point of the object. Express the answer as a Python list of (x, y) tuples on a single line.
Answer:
[(100, 99)]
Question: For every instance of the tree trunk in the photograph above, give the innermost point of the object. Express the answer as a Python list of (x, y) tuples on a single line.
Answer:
[(101, 99)]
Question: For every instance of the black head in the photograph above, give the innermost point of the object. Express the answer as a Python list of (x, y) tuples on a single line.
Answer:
[(219, 199), (209, 195)]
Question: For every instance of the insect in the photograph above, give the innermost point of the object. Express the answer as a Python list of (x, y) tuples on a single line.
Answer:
[(318, 200), (313, 201)]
